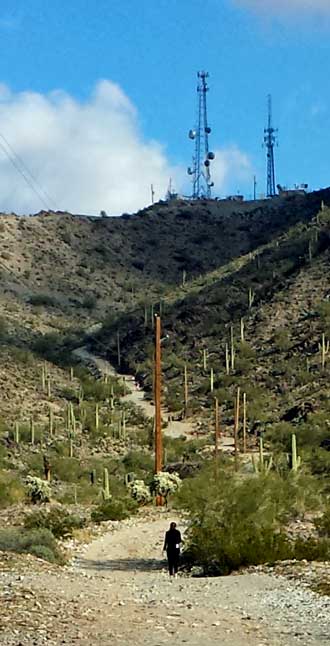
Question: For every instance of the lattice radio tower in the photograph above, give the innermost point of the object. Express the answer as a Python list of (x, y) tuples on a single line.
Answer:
[(270, 141), (200, 170)]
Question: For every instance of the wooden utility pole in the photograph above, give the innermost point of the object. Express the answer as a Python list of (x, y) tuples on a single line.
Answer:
[(185, 391), (236, 426), (217, 429), (118, 350), (244, 423), (158, 412)]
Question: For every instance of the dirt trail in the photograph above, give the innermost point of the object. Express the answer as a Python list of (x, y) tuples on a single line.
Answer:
[(136, 397), (118, 593)]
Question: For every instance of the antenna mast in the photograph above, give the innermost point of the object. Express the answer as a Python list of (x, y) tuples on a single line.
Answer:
[(270, 141), (200, 170)]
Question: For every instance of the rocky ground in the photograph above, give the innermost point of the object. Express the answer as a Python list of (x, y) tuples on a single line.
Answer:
[(116, 591)]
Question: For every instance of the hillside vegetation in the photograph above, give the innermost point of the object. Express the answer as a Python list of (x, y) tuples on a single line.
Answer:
[(242, 290)]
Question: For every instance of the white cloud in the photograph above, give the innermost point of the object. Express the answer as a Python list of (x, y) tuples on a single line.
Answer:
[(230, 170), (88, 156), (281, 7)]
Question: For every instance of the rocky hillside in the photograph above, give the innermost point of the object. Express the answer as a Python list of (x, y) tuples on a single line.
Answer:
[(271, 308), (62, 273)]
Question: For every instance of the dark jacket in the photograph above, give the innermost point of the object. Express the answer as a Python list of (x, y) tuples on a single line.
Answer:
[(172, 540)]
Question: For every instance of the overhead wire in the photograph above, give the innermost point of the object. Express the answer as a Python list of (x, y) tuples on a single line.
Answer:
[(23, 170)]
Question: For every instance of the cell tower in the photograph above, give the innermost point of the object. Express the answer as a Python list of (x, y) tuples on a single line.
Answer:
[(270, 141), (200, 170)]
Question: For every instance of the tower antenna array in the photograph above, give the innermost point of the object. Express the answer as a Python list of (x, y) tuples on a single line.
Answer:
[(270, 141), (200, 169)]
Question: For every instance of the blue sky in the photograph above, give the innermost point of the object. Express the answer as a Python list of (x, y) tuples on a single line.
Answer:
[(152, 50)]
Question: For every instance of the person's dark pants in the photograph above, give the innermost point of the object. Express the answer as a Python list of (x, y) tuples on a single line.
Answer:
[(173, 561)]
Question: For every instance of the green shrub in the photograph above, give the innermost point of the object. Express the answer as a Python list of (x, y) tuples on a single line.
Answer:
[(138, 462), (43, 299), (66, 469), (11, 489), (89, 302), (43, 552), (236, 522), (322, 524), (36, 541), (114, 510), (59, 521)]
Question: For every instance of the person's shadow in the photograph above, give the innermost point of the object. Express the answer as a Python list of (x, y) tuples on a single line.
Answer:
[(123, 565)]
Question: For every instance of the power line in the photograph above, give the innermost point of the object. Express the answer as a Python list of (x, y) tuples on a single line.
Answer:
[(23, 170)]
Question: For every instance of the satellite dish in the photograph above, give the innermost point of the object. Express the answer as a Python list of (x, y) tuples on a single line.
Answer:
[(189, 171), (210, 155), (207, 130), (207, 162), (192, 134)]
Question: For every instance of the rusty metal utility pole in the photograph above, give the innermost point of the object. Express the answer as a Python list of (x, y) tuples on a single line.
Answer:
[(158, 412), (236, 426), (217, 429)]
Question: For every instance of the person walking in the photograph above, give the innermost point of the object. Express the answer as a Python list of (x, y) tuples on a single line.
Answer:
[(172, 544)]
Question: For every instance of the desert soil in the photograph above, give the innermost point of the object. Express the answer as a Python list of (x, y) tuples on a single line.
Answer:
[(117, 591)]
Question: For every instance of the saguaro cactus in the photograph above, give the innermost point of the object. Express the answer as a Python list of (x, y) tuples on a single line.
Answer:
[(97, 417), (232, 348), (211, 380), (295, 459), (106, 486), (48, 386), (242, 330), (251, 297), (227, 359), (205, 359), (70, 445), (17, 433), (32, 430), (324, 348), (43, 377), (264, 466), (51, 420)]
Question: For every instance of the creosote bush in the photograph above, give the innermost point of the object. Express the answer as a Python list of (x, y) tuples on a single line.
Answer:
[(40, 542), (237, 522), (59, 521), (11, 489), (114, 510)]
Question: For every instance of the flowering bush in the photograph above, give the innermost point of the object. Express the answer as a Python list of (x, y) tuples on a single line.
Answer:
[(140, 492), (38, 490), (165, 484)]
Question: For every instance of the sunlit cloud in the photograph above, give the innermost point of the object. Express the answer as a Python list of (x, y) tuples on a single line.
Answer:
[(287, 7)]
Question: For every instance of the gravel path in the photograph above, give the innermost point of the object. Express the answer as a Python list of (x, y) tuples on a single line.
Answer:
[(244, 609), (117, 592)]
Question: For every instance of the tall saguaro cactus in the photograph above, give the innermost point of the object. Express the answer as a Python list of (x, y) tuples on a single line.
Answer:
[(324, 348), (211, 380), (295, 459), (232, 348), (227, 359), (242, 325), (106, 486), (251, 297)]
